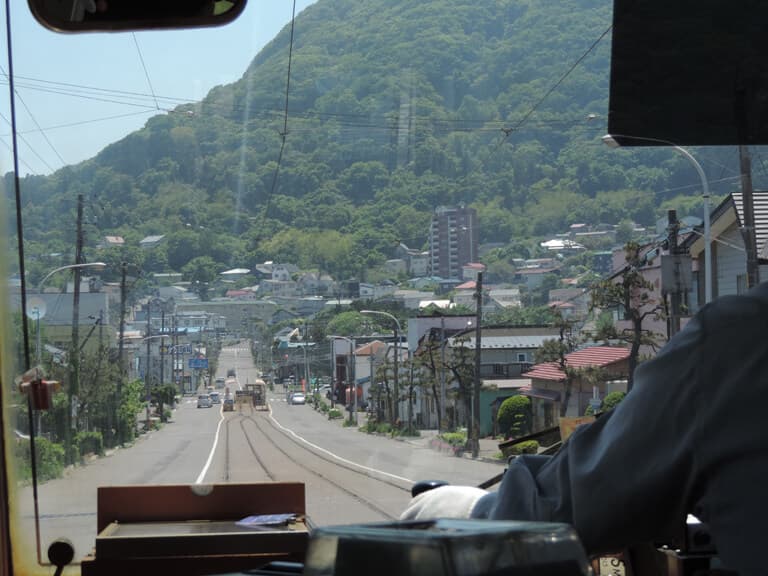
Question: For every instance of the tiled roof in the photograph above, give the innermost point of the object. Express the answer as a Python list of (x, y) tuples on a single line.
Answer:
[(597, 356)]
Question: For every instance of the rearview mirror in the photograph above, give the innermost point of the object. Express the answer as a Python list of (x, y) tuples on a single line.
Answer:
[(112, 15)]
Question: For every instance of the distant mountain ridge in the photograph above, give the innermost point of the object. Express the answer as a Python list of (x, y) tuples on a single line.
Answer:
[(395, 107)]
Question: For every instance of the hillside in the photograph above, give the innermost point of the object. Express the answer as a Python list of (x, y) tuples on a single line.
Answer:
[(395, 107)]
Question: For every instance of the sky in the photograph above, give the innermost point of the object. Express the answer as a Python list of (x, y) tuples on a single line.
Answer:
[(78, 93)]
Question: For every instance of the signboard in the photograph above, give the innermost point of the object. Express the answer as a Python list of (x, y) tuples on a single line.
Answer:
[(198, 363)]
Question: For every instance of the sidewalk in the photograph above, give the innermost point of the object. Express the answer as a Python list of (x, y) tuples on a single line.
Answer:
[(489, 447)]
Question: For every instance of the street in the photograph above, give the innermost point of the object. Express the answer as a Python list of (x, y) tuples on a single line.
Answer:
[(350, 476)]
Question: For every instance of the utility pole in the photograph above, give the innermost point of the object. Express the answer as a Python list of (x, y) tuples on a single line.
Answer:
[(74, 360), (146, 368), (673, 323), (748, 223), (120, 350), (475, 431), (441, 413)]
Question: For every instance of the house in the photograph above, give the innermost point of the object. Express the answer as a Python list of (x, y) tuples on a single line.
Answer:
[(284, 272), (312, 283), (534, 277), (151, 241), (111, 242), (729, 260), (505, 352), (502, 298), (234, 274), (608, 365), (471, 270)]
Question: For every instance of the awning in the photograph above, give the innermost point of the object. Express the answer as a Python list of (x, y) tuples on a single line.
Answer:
[(541, 393)]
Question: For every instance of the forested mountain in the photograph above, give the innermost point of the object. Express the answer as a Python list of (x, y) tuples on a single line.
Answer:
[(395, 107)]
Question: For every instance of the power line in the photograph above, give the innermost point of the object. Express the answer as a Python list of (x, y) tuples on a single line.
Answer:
[(34, 120), (284, 134), (144, 67), (517, 125), (31, 148)]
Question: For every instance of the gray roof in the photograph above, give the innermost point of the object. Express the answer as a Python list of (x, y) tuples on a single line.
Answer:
[(58, 307), (505, 342)]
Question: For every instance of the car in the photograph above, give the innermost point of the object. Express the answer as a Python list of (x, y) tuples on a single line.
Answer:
[(204, 401), (231, 373), (215, 398), (229, 405), (220, 382), (297, 398)]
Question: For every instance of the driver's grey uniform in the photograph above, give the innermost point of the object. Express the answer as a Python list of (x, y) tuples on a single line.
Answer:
[(691, 437)]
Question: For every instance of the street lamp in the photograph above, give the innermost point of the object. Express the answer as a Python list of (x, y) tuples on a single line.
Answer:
[(350, 374), (611, 141), (146, 368), (75, 360), (97, 265), (396, 408)]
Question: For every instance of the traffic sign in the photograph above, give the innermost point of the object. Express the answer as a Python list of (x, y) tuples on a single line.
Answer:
[(198, 363)]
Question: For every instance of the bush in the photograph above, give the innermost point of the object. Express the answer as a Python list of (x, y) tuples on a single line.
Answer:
[(454, 438), (50, 459), (610, 401), (384, 428), (514, 417), (527, 447), (334, 413), (89, 443)]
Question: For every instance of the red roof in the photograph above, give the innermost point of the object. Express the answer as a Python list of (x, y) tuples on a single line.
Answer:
[(469, 285), (597, 356)]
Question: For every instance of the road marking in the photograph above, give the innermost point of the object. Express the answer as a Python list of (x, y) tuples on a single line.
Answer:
[(339, 458), (213, 449)]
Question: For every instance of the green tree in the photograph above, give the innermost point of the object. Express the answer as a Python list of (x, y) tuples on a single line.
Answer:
[(201, 272), (631, 293), (515, 416)]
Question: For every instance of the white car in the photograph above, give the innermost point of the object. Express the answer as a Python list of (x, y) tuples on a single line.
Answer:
[(297, 398), (204, 401)]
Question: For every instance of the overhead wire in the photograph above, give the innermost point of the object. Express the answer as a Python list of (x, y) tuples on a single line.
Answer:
[(21, 137), (144, 67), (35, 122), (284, 133), (514, 128)]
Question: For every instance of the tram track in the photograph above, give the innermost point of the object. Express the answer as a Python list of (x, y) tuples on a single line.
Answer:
[(262, 429)]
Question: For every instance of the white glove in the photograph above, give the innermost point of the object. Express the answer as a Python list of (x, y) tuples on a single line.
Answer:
[(443, 502)]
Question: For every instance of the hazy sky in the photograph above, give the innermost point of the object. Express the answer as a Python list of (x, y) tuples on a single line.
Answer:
[(87, 90)]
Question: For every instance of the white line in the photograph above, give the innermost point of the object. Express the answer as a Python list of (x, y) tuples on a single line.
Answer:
[(339, 458), (213, 449)]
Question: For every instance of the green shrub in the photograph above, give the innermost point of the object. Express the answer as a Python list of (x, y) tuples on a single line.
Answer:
[(514, 417), (527, 447), (334, 413), (454, 438), (50, 459), (612, 399), (90, 443), (383, 428)]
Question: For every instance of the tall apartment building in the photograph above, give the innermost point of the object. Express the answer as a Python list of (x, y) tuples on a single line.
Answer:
[(453, 240)]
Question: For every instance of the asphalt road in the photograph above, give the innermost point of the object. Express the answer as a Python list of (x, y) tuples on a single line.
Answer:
[(350, 476)]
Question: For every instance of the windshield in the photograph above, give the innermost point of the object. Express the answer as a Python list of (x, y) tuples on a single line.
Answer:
[(362, 234)]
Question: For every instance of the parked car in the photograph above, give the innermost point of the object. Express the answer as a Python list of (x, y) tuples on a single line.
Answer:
[(297, 398), (204, 401)]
